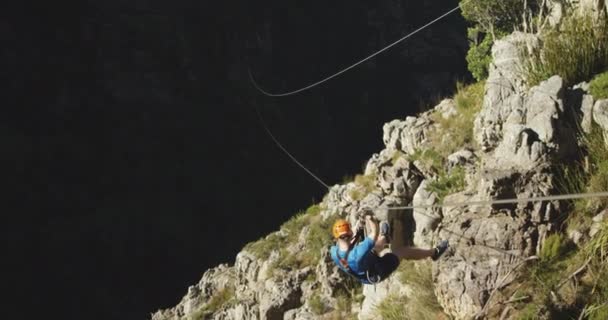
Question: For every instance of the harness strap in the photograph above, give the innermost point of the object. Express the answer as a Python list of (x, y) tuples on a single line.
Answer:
[(344, 261)]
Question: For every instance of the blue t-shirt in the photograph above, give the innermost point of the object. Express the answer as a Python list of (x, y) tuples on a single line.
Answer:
[(358, 258)]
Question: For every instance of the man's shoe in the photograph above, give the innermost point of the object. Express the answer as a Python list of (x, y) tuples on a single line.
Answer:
[(440, 249), (385, 231)]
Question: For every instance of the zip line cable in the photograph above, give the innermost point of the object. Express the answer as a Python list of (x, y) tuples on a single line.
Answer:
[(569, 196), (255, 84), (276, 141)]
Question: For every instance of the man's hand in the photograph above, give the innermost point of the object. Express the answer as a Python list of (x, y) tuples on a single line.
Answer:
[(372, 227)]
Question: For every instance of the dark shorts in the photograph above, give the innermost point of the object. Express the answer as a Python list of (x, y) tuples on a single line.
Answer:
[(382, 267)]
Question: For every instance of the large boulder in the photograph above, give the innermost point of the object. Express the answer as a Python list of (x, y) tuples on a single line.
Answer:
[(505, 88), (426, 219), (407, 135), (600, 116)]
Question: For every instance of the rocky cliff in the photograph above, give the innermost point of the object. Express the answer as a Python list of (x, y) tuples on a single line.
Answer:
[(500, 138)]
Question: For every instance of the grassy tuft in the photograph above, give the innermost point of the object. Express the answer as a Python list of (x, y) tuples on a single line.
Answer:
[(576, 50), (448, 183), (316, 304), (599, 86), (221, 299), (423, 303), (598, 246), (262, 248), (365, 184), (393, 307), (597, 154), (457, 132), (553, 247), (317, 237)]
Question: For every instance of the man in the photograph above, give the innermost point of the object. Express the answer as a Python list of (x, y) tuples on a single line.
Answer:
[(363, 260)]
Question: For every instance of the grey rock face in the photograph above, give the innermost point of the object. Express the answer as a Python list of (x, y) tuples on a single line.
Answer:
[(399, 180), (530, 131), (408, 135), (280, 295), (504, 89), (426, 219), (600, 116), (587, 111), (597, 222), (461, 158)]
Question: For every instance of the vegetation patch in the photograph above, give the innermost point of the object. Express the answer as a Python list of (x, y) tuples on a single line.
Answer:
[(422, 304), (262, 248), (495, 16), (599, 86), (448, 183), (479, 55), (316, 305), (569, 281), (317, 234), (365, 184), (553, 247), (430, 158), (575, 50), (451, 135), (223, 298), (393, 308), (456, 132)]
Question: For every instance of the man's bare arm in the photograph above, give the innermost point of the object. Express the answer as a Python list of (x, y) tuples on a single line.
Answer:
[(372, 228)]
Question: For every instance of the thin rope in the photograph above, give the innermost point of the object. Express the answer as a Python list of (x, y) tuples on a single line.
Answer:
[(276, 141), (569, 196), (255, 84)]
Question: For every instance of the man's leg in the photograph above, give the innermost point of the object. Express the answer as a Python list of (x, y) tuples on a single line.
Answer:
[(412, 253), (380, 244), (384, 237)]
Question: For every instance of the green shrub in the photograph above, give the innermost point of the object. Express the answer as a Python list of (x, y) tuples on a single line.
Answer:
[(456, 132), (479, 56), (572, 178), (469, 98), (316, 304), (530, 312), (262, 248), (448, 183), (221, 299), (597, 169), (553, 247), (576, 50), (429, 157), (365, 183), (493, 16), (598, 246), (599, 312), (393, 307), (599, 86), (318, 237), (423, 303)]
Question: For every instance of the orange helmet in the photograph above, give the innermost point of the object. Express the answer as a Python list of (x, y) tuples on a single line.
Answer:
[(341, 227)]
